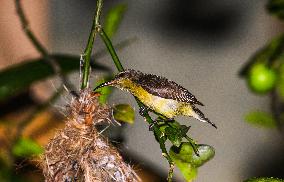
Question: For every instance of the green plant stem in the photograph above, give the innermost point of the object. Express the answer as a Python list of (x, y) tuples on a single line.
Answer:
[(119, 46), (158, 134), (161, 140), (88, 50), (111, 50)]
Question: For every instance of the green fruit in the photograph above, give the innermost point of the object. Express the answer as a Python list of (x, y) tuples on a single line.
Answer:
[(261, 79)]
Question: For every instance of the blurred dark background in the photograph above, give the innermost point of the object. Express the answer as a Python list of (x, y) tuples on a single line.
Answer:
[(199, 44)]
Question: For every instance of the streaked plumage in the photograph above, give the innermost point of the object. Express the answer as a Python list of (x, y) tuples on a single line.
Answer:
[(160, 86), (159, 94)]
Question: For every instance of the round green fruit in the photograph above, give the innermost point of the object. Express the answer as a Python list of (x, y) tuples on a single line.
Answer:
[(261, 79)]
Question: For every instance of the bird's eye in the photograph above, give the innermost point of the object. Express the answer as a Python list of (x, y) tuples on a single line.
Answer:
[(121, 74)]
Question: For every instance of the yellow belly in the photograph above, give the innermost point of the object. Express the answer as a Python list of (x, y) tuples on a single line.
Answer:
[(166, 107)]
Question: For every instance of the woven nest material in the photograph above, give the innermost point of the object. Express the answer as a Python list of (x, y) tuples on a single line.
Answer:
[(79, 152)]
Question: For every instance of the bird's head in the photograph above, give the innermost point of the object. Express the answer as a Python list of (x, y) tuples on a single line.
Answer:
[(123, 80)]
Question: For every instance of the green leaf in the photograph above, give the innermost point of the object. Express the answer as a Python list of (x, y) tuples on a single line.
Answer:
[(173, 135), (276, 8), (113, 19), (25, 147), (267, 54), (19, 77), (104, 91), (124, 113), (186, 159), (188, 171), (182, 156), (184, 152), (176, 134), (264, 179), (261, 119), (205, 152), (174, 131)]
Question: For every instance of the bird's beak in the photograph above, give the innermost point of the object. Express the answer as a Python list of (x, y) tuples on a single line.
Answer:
[(112, 82)]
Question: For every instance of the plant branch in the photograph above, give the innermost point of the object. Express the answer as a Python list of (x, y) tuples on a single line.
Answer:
[(39, 47), (111, 50), (88, 50), (157, 133), (118, 46), (25, 25)]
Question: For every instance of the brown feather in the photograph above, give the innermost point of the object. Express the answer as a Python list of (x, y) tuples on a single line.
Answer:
[(160, 86)]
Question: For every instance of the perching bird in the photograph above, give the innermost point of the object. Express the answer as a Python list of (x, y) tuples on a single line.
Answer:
[(159, 94)]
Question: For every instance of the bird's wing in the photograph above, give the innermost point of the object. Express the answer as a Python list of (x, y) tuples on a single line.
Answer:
[(165, 88)]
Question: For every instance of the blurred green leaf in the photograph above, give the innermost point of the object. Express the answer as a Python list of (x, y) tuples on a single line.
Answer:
[(280, 81), (276, 8), (265, 179), (265, 55), (113, 19), (261, 119), (104, 91), (25, 147), (124, 113), (18, 77), (5, 169)]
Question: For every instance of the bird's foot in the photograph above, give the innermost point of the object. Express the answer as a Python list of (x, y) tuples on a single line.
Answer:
[(151, 126), (156, 121), (142, 111), (170, 120)]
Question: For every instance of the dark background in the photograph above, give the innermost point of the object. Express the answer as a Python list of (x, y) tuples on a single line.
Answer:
[(201, 45)]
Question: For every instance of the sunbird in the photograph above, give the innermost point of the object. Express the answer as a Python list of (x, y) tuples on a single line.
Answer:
[(158, 94)]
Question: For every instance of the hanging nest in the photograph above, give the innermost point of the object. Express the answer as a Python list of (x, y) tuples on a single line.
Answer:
[(79, 152)]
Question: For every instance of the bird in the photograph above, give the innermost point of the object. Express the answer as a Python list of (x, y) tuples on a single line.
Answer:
[(158, 94)]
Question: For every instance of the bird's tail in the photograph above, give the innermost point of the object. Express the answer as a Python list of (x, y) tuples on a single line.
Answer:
[(200, 116)]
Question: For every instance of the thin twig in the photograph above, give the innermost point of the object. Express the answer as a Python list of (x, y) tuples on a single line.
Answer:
[(158, 134), (40, 48), (118, 46), (86, 56), (111, 50)]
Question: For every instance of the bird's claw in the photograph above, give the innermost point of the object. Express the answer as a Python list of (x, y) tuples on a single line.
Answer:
[(155, 122), (142, 111)]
